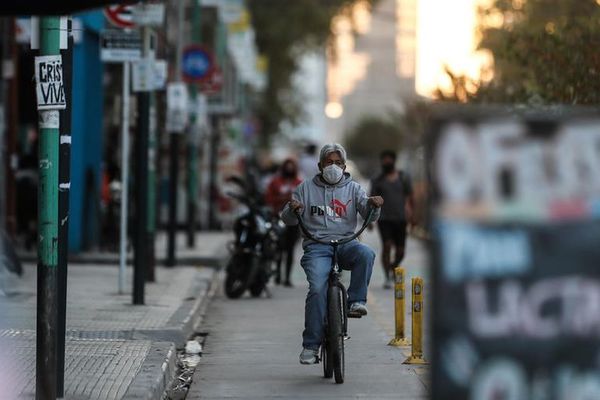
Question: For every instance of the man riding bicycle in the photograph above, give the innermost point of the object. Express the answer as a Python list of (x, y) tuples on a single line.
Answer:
[(329, 204)]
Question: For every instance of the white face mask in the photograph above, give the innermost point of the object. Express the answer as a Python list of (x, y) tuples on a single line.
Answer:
[(332, 174)]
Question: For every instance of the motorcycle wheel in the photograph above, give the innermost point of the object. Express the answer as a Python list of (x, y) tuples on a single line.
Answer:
[(257, 287), (235, 281)]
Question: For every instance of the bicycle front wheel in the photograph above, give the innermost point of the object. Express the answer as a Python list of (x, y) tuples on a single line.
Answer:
[(326, 360), (335, 319)]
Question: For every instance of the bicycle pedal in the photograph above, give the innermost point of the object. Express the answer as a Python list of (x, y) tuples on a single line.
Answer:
[(346, 337), (353, 315)]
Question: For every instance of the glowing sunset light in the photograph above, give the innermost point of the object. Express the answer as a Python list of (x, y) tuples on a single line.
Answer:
[(447, 37), (334, 110)]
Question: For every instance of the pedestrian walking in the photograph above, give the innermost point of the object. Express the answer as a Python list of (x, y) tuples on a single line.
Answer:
[(308, 162), (278, 194), (395, 187)]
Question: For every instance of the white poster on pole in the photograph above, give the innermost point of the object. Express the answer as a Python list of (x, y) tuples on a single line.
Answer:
[(152, 14), (149, 75), (177, 107), (49, 86)]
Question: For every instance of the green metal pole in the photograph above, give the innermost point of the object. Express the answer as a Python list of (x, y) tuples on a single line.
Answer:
[(220, 46), (192, 156), (47, 295)]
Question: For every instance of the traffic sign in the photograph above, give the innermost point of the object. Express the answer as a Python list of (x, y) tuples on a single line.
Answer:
[(214, 83), (197, 64), (120, 46), (148, 14), (120, 16)]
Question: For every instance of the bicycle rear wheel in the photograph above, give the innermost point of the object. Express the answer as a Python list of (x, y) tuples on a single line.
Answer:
[(335, 323)]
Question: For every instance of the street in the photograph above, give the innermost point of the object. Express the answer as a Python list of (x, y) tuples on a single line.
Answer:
[(252, 347)]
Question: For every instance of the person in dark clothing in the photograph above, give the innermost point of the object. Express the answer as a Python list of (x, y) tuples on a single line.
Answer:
[(278, 194), (393, 185)]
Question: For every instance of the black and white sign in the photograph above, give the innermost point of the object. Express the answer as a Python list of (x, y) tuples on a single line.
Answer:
[(516, 222), (49, 83), (120, 46)]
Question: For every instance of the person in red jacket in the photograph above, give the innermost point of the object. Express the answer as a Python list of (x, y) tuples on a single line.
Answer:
[(278, 194)]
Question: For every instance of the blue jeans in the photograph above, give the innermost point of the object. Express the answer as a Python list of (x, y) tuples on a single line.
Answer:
[(316, 262)]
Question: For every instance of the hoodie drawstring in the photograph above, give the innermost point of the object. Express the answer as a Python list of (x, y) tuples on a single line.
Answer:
[(325, 199)]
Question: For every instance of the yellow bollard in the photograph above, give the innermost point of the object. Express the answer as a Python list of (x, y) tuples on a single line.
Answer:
[(416, 356), (400, 338)]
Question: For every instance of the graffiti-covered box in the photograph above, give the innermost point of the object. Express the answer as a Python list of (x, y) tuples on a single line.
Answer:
[(515, 216)]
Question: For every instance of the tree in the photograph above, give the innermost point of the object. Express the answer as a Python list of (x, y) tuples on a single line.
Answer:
[(284, 30), (545, 51), (372, 134)]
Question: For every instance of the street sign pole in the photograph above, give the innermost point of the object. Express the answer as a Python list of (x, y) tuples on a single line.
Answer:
[(141, 184), (213, 222), (47, 301), (173, 181), (124, 178), (122, 47), (174, 153), (63, 210), (192, 158), (151, 197)]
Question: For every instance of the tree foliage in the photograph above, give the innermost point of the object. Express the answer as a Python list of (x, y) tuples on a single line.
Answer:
[(545, 51), (284, 30), (371, 135)]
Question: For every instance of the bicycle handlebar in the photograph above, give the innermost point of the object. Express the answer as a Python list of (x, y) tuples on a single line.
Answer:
[(366, 223)]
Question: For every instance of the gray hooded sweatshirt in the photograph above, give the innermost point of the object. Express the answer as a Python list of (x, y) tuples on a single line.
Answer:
[(330, 211)]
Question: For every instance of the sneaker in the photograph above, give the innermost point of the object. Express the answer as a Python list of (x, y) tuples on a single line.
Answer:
[(387, 284), (357, 310), (309, 356)]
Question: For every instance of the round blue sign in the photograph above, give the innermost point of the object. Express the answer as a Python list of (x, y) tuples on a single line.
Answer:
[(197, 63)]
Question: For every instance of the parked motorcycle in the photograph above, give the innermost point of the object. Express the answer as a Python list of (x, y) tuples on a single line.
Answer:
[(254, 249)]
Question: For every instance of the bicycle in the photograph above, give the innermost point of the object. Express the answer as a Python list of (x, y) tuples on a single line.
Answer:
[(336, 324)]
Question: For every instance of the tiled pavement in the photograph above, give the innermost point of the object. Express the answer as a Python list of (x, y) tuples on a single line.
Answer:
[(94, 369), (114, 350)]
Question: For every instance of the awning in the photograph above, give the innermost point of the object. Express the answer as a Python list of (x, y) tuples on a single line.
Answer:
[(52, 7)]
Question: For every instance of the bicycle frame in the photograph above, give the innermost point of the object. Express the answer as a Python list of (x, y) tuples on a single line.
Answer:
[(334, 280)]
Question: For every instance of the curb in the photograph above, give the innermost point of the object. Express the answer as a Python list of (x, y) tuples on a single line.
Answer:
[(160, 366), (112, 260), (148, 384)]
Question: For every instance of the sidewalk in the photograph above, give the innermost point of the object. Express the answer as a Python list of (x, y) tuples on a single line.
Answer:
[(114, 350)]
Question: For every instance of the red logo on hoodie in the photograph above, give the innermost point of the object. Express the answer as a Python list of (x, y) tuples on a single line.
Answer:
[(339, 208)]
